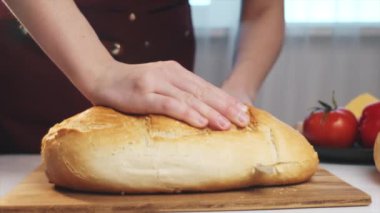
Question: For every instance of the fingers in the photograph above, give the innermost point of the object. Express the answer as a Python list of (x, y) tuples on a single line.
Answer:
[(214, 97), (172, 107), (215, 119), (168, 88)]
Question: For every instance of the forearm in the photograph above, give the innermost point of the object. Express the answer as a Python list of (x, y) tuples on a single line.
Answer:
[(159, 87), (261, 35), (65, 36)]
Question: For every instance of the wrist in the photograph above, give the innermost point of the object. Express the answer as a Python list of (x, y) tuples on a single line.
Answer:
[(241, 85), (91, 79), (238, 90)]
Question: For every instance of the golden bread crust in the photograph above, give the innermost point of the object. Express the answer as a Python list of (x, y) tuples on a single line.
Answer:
[(103, 150)]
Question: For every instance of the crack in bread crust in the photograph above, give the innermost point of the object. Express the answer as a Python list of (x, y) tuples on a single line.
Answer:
[(274, 144), (107, 151)]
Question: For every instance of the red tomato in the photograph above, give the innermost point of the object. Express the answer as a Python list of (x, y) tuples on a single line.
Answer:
[(336, 128), (369, 124)]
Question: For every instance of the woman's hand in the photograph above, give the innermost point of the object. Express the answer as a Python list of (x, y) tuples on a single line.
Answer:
[(166, 88), (160, 87)]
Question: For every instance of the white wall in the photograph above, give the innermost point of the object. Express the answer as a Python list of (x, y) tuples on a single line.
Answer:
[(311, 66), (315, 60), (216, 28)]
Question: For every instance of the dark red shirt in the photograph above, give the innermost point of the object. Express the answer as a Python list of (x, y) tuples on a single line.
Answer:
[(36, 95)]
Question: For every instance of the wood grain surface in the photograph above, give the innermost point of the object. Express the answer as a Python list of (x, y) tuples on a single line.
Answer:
[(35, 194)]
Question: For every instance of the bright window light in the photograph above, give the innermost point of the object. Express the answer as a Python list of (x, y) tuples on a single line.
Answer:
[(200, 2), (332, 11)]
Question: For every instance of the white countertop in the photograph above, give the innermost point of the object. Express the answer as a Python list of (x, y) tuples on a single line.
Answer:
[(13, 168)]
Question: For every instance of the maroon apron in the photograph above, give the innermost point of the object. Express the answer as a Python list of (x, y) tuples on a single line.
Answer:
[(35, 93)]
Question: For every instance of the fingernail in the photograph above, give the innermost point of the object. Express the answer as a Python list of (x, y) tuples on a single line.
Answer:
[(243, 118), (222, 122), (243, 107)]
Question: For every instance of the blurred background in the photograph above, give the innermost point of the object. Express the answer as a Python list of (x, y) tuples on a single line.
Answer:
[(329, 45)]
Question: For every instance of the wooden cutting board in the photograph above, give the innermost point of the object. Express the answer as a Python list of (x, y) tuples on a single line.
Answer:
[(35, 194)]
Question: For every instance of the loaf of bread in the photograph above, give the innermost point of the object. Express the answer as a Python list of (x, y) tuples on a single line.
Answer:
[(103, 150)]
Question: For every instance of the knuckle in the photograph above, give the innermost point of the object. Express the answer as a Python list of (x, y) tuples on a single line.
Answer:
[(179, 110), (164, 69), (144, 82), (227, 105), (228, 110), (189, 99), (209, 112), (187, 114), (183, 109), (172, 63), (200, 92), (168, 106)]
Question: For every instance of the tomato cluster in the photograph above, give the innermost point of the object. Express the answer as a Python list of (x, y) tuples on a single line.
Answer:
[(336, 127)]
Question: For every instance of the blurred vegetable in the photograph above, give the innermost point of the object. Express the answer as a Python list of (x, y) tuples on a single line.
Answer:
[(369, 124)]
